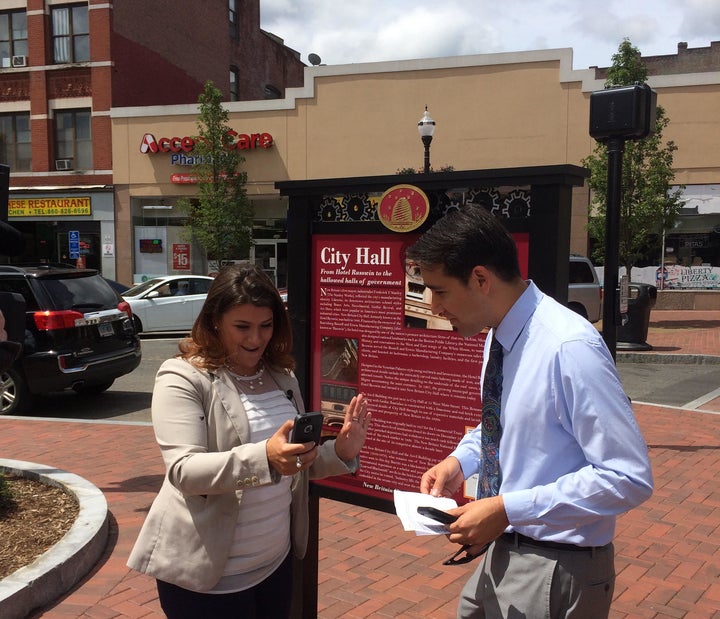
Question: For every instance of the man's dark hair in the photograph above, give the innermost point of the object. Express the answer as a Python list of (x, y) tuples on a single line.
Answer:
[(466, 238)]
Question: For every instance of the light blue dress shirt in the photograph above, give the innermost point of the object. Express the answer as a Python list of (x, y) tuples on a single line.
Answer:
[(571, 455)]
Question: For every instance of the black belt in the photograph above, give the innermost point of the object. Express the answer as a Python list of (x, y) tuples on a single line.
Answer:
[(518, 539)]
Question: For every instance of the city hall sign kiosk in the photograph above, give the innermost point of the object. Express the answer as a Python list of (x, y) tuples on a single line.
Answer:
[(362, 321)]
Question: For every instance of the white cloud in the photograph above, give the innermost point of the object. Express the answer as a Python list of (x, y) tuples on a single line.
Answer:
[(376, 30), (701, 18)]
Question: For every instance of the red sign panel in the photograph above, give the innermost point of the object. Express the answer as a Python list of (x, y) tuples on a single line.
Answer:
[(183, 179), (373, 332), (181, 256)]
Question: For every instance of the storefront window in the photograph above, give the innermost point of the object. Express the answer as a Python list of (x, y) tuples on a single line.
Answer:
[(692, 252), (691, 247), (694, 241)]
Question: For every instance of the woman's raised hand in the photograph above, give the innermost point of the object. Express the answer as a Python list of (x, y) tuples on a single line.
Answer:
[(351, 438)]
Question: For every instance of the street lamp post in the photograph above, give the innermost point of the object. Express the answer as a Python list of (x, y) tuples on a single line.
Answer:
[(426, 128)]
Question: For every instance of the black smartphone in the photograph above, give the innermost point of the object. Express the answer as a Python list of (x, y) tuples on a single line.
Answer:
[(308, 427), (436, 514)]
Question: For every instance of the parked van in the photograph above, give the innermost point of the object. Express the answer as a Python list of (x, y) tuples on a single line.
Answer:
[(584, 290)]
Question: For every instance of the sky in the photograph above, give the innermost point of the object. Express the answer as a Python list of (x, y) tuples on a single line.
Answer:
[(355, 31)]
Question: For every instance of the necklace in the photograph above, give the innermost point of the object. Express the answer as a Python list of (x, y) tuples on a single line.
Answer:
[(248, 380)]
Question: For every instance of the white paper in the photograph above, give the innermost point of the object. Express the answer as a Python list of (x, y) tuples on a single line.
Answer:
[(406, 504)]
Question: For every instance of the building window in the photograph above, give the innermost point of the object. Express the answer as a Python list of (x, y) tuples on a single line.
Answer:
[(13, 39), (234, 84), (234, 25), (15, 142), (71, 34), (73, 140)]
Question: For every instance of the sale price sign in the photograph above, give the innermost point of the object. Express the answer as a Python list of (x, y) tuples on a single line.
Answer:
[(181, 256)]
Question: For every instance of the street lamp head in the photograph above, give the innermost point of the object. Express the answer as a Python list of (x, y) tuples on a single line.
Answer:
[(426, 126)]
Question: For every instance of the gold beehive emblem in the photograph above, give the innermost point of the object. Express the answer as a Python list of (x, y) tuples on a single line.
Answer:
[(402, 212)]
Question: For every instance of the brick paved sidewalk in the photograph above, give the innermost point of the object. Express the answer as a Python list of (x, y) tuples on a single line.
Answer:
[(668, 550), (684, 332)]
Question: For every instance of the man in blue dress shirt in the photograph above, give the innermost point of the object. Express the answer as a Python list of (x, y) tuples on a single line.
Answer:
[(571, 455)]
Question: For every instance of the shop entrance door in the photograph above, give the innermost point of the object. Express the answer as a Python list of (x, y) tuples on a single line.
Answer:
[(89, 250), (271, 256)]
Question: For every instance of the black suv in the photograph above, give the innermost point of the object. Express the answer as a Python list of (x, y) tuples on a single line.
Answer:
[(78, 334)]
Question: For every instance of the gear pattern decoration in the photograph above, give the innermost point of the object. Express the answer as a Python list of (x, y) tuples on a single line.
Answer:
[(517, 204), (487, 197), (363, 207), (347, 207), (329, 209), (358, 207), (450, 203)]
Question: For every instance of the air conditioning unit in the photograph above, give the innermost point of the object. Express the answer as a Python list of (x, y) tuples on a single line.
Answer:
[(19, 61), (63, 164)]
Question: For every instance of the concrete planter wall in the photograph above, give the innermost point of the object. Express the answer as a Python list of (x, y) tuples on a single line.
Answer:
[(58, 569)]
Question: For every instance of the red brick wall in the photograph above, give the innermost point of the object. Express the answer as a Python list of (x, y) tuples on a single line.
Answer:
[(149, 53), (164, 52), (144, 77), (687, 60)]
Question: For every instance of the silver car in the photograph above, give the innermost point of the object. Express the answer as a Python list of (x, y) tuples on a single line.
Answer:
[(584, 290), (169, 303)]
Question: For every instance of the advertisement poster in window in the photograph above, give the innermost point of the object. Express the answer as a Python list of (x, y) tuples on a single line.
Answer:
[(181, 256), (373, 332)]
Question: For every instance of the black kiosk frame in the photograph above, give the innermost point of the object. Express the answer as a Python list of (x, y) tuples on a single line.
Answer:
[(534, 202)]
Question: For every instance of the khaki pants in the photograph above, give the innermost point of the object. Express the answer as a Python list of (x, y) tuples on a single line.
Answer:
[(539, 583)]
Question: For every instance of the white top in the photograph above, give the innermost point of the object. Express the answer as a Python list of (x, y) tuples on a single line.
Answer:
[(262, 534)]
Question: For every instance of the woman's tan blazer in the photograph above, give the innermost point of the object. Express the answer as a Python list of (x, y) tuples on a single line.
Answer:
[(203, 433)]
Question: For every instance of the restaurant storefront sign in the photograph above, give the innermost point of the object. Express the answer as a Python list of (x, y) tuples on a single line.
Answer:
[(677, 277), (49, 207)]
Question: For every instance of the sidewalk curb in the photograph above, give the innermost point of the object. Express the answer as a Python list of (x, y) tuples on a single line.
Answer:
[(655, 357), (63, 565)]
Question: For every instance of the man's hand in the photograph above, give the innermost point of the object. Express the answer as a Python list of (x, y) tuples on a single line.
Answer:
[(444, 479), (479, 522)]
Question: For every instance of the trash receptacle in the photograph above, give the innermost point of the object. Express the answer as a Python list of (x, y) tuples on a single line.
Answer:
[(633, 328)]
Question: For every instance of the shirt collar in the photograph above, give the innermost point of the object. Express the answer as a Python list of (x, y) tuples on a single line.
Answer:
[(511, 326)]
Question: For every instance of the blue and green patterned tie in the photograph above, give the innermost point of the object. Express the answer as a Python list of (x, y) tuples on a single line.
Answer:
[(490, 475)]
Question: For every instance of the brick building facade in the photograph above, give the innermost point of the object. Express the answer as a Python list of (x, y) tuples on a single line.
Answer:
[(64, 65), (687, 60)]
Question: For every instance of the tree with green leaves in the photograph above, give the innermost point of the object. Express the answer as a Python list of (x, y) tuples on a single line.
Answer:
[(221, 217), (647, 204)]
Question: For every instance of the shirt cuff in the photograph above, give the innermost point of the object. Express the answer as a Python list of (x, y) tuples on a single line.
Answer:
[(519, 507), (468, 462)]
